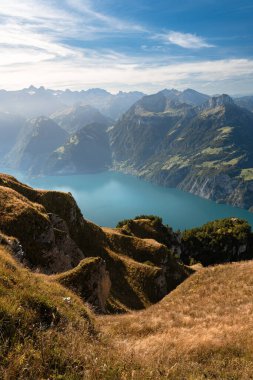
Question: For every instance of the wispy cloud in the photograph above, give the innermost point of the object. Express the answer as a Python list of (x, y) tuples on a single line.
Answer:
[(33, 35), (185, 40), (114, 72), (85, 8)]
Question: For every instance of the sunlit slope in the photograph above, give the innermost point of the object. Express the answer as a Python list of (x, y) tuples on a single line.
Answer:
[(202, 330)]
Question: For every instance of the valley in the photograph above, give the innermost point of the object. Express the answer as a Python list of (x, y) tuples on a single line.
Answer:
[(178, 139)]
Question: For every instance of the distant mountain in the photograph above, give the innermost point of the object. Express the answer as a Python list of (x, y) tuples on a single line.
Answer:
[(38, 138), (111, 105), (245, 102), (34, 102), (187, 96), (206, 150), (73, 119), (30, 102), (86, 151), (120, 103), (10, 126)]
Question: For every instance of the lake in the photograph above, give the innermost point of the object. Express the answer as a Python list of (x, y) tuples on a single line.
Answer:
[(106, 198)]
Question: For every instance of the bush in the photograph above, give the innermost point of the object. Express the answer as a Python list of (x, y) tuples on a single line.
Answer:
[(220, 241), (156, 220)]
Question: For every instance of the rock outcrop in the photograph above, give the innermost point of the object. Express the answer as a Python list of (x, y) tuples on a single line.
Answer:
[(90, 280), (46, 248)]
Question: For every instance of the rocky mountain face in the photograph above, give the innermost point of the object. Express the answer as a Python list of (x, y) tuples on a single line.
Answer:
[(86, 151), (111, 105), (38, 138), (206, 149)]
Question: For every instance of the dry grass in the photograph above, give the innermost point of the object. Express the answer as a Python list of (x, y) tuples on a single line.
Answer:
[(202, 330), (33, 315), (47, 332)]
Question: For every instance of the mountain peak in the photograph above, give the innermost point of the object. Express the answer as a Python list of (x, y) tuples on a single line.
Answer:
[(187, 96), (220, 100)]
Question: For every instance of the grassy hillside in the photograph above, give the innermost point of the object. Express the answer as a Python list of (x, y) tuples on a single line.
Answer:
[(202, 330), (33, 315)]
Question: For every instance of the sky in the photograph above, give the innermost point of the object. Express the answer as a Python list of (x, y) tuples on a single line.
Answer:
[(128, 45)]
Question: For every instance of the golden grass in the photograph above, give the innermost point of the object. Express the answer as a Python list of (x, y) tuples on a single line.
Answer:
[(33, 314), (202, 330), (47, 332)]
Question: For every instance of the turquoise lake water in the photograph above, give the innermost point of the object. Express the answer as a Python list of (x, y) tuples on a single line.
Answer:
[(106, 198)]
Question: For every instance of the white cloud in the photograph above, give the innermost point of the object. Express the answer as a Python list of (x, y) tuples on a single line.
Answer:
[(185, 40), (33, 52), (114, 72)]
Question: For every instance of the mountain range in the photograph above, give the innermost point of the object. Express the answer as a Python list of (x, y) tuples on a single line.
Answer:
[(33, 102), (185, 139)]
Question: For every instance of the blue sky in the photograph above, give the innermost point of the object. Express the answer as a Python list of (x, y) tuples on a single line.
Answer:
[(128, 45)]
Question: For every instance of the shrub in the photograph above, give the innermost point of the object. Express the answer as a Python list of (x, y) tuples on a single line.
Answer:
[(220, 241)]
